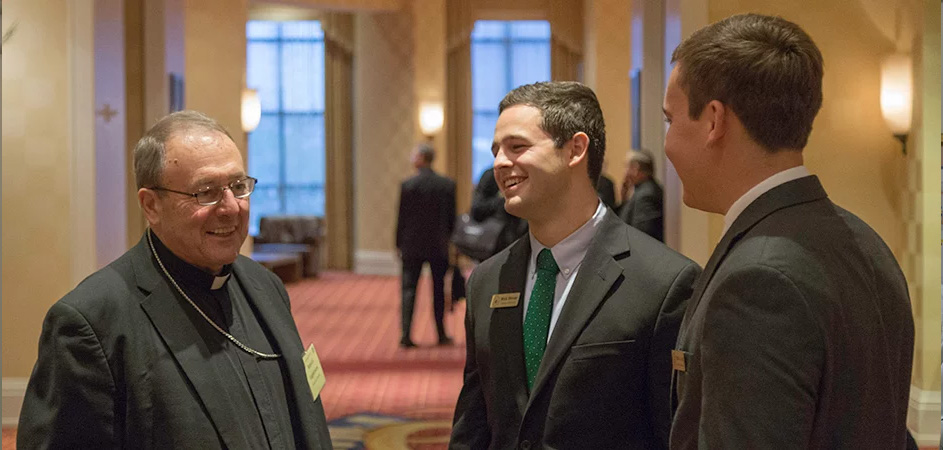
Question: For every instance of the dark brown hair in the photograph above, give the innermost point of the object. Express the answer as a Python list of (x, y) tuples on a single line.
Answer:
[(766, 69), (566, 108)]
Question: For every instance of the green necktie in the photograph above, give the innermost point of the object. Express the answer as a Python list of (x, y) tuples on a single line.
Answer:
[(537, 322)]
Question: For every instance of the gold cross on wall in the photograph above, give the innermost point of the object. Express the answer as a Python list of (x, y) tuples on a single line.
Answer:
[(106, 112)]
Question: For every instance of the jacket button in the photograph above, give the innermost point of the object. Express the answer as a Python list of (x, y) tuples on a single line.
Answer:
[(525, 445)]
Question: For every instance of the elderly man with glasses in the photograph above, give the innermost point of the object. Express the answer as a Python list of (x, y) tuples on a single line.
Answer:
[(181, 342)]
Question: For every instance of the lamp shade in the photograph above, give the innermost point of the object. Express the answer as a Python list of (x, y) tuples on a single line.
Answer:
[(897, 93), (251, 110), (430, 118)]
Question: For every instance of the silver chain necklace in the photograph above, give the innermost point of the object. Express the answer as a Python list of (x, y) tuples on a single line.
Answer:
[(242, 346)]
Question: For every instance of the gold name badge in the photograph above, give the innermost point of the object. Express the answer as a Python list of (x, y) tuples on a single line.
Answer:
[(677, 361), (313, 371), (505, 300)]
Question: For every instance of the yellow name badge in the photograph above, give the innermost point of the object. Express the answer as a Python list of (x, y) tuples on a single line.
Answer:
[(314, 371), (677, 361), (505, 300)]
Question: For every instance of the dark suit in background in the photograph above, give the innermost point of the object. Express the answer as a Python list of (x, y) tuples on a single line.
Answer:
[(126, 362), (799, 333), (604, 380), (423, 227), (644, 210), (488, 202), (607, 191)]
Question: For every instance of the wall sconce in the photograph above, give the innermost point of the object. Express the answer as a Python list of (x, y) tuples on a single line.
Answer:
[(897, 96), (430, 118), (251, 110)]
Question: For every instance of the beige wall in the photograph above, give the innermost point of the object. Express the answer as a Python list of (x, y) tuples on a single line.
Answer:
[(607, 61), (384, 123), (215, 61), (349, 5), (921, 261), (36, 159), (429, 63)]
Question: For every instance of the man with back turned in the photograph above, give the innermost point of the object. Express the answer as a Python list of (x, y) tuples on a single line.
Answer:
[(799, 333)]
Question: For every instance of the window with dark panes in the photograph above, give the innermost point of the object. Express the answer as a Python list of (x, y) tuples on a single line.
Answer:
[(505, 55), (285, 63)]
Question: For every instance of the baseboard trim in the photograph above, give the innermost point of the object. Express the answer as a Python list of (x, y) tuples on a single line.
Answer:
[(923, 416), (372, 262), (14, 389)]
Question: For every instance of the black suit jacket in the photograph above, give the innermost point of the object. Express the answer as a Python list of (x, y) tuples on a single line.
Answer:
[(488, 202), (604, 379), (645, 209), (122, 364), (426, 215), (607, 191), (799, 333)]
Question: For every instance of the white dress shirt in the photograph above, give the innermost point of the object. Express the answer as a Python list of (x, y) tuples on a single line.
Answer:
[(568, 254), (756, 191)]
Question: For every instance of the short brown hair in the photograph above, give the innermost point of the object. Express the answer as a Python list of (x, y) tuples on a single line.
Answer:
[(566, 108), (766, 69), (150, 149)]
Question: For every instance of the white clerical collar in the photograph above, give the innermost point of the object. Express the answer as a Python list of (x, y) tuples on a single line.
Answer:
[(219, 281), (754, 193)]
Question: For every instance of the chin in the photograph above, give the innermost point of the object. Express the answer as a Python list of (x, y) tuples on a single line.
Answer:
[(223, 258), (691, 202)]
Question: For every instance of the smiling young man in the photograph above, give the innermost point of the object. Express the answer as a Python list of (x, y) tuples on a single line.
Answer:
[(799, 333), (569, 330), (180, 342)]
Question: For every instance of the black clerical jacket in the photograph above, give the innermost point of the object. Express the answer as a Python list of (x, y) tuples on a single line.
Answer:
[(124, 362)]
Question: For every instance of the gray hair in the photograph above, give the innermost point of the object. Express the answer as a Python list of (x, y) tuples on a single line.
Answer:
[(150, 150), (426, 152), (644, 159)]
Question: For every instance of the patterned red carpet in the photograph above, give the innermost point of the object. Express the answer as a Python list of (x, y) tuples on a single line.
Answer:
[(353, 322)]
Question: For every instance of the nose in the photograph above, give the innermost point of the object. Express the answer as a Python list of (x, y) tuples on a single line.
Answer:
[(501, 160), (228, 204)]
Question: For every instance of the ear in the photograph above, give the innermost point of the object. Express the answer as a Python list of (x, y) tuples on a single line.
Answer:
[(718, 118), (150, 205), (579, 149)]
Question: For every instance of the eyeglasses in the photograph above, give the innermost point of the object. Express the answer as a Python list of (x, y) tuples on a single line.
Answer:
[(209, 196)]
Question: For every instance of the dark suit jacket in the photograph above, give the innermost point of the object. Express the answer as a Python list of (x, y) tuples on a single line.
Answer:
[(607, 191), (487, 202), (799, 333), (426, 215), (122, 365), (645, 209), (604, 379)]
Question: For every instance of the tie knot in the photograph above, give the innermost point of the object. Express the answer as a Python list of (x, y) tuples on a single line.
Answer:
[(545, 261)]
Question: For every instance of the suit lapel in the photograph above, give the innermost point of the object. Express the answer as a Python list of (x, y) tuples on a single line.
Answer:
[(597, 273), (798, 191), (174, 318), (281, 327), (506, 333)]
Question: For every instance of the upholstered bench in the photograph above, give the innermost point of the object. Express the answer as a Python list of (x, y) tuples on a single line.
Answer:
[(287, 266), (300, 235)]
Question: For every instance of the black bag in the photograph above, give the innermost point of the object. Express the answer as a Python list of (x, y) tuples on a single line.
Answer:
[(458, 285), (477, 240)]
